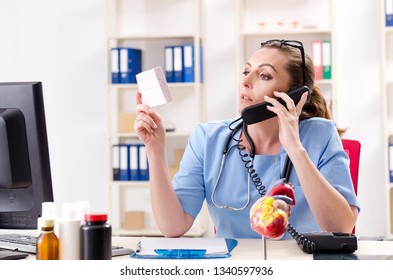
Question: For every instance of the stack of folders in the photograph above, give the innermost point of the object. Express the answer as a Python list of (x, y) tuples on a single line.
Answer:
[(125, 64), (179, 64), (322, 58), (184, 248), (129, 162)]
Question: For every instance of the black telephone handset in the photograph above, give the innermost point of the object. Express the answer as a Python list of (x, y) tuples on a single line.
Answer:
[(258, 112)]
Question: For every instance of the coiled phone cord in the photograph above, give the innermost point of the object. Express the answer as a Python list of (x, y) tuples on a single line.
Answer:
[(247, 158), (305, 245)]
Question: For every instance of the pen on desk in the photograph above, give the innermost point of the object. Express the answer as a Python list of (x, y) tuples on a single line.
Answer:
[(138, 247)]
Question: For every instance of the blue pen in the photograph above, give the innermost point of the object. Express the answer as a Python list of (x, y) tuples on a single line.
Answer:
[(180, 253)]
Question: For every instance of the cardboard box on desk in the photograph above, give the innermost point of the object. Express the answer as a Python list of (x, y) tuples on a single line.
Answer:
[(134, 220), (126, 122)]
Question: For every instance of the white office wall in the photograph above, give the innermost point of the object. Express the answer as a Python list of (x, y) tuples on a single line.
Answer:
[(360, 104), (61, 43)]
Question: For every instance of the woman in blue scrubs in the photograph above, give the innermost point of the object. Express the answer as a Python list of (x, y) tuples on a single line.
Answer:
[(325, 198)]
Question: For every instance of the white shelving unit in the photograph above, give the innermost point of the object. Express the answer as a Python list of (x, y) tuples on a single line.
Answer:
[(151, 25), (302, 20), (387, 72)]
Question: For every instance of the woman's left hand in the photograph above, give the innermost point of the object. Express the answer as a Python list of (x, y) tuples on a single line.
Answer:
[(288, 119)]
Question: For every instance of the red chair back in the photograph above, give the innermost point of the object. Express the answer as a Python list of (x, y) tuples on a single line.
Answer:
[(352, 148)]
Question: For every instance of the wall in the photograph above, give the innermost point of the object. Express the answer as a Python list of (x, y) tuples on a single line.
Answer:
[(61, 43)]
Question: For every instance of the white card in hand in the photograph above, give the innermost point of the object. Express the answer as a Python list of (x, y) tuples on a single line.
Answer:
[(153, 86)]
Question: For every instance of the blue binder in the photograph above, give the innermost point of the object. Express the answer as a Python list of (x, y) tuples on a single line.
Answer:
[(169, 72), (133, 160), (389, 12), (115, 65), (390, 158), (143, 167), (178, 64), (188, 63), (123, 167), (130, 64), (115, 162)]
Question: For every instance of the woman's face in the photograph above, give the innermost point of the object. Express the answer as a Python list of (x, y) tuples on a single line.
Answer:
[(263, 73)]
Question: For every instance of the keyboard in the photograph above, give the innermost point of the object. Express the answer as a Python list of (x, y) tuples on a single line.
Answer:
[(27, 243)]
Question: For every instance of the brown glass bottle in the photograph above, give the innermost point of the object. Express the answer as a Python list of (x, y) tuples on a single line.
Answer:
[(47, 242)]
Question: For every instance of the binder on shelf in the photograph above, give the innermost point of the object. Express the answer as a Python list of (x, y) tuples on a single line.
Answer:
[(389, 12), (130, 64), (188, 63), (326, 59), (169, 72), (143, 167), (115, 162), (316, 52), (390, 158), (124, 169), (133, 162), (114, 63), (184, 248), (178, 64)]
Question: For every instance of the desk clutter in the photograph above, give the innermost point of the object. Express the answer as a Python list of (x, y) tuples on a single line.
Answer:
[(78, 235)]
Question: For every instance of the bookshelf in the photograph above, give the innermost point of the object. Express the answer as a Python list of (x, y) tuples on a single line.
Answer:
[(302, 20), (144, 24), (387, 76)]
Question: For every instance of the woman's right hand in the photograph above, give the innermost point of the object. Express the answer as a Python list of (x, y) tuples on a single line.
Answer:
[(148, 124)]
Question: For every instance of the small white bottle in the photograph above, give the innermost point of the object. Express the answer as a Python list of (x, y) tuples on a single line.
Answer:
[(69, 235), (48, 212)]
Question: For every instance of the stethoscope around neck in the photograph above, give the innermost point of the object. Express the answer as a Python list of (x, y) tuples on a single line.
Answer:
[(249, 166)]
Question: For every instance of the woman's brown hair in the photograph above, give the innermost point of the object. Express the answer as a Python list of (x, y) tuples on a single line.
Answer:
[(317, 106)]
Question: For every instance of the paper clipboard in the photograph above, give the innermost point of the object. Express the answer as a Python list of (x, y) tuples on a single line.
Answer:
[(184, 253)]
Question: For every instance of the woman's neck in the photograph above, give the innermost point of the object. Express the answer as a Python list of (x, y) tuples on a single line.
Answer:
[(265, 137)]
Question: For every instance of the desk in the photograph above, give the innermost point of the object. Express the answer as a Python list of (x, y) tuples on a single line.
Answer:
[(251, 249), (276, 250)]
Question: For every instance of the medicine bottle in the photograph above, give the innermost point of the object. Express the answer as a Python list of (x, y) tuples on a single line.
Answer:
[(69, 236), (47, 247), (96, 237)]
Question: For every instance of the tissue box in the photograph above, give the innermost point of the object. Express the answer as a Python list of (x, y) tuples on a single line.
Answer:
[(153, 86)]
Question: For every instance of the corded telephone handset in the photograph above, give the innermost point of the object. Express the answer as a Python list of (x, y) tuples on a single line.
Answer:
[(258, 112)]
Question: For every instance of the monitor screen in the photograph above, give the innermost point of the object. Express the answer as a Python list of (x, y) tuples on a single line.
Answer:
[(25, 176)]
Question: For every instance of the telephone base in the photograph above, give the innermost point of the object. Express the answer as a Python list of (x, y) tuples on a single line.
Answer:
[(329, 242)]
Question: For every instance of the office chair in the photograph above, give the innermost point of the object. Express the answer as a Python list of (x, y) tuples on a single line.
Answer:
[(352, 148)]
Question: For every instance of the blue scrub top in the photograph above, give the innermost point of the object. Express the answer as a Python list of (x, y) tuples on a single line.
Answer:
[(201, 164)]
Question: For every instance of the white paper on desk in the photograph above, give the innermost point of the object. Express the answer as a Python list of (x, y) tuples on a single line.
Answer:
[(153, 86), (216, 246)]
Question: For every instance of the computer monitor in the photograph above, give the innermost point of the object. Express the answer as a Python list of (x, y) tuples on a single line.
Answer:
[(25, 175)]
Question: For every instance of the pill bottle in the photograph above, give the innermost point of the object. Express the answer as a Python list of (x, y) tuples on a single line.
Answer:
[(96, 237), (47, 247)]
